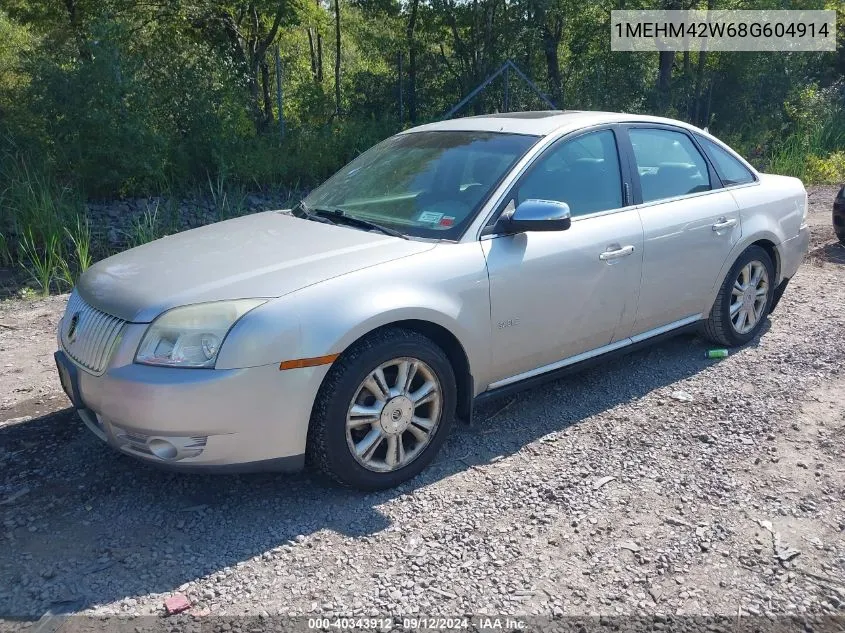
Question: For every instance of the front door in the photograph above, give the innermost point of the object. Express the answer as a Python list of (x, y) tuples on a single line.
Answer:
[(556, 295)]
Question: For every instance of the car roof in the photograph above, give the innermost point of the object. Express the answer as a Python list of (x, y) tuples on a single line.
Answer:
[(542, 122)]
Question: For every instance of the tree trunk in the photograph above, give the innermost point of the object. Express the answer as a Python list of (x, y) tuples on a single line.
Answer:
[(699, 78), (315, 46), (313, 52), (551, 42), (319, 58), (266, 95), (412, 63), (76, 28), (337, 56), (664, 79), (255, 99)]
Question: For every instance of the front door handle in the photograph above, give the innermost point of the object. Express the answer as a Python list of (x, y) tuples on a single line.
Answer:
[(724, 223), (616, 253)]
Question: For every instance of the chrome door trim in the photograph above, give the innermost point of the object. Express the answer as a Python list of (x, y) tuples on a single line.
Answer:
[(666, 328), (625, 342)]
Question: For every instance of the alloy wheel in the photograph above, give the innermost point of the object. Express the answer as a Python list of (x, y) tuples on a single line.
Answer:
[(749, 297), (394, 414)]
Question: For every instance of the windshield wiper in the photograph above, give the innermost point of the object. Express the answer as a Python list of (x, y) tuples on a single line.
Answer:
[(335, 214), (302, 211)]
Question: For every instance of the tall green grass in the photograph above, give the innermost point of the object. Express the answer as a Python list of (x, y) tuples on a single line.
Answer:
[(45, 231), (811, 154), (44, 227)]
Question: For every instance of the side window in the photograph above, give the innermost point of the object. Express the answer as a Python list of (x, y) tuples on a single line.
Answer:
[(582, 172), (730, 170), (668, 163)]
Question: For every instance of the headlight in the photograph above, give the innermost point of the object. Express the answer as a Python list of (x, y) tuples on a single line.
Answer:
[(191, 336)]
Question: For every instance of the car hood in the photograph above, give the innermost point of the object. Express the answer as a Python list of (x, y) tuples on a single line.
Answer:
[(262, 255)]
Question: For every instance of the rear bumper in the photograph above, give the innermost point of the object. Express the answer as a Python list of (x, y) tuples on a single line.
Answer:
[(792, 252), (231, 420), (777, 294)]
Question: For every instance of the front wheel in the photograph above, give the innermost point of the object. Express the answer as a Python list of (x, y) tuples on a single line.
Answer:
[(743, 301), (383, 411)]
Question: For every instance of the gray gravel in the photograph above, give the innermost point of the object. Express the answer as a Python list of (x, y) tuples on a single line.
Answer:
[(659, 483)]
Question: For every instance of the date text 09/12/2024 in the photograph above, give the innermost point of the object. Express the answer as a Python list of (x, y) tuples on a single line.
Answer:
[(418, 623)]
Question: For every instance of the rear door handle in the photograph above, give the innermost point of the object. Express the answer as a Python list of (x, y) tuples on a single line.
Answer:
[(616, 253), (724, 223)]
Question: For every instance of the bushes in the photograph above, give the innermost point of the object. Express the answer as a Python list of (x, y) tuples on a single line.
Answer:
[(810, 146), (830, 170), (305, 157)]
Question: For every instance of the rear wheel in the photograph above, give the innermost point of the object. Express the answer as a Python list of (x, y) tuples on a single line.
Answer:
[(383, 411), (744, 299)]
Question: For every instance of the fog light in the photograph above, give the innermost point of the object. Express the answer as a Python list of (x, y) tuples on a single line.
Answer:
[(162, 448)]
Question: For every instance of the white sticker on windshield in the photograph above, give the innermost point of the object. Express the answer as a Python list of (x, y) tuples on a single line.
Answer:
[(429, 217)]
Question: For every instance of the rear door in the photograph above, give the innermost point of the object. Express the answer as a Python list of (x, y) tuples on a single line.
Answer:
[(690, 224)]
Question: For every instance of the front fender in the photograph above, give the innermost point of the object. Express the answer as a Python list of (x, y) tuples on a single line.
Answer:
[(446, 286)]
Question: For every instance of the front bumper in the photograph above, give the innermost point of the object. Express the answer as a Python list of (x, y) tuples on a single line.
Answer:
[(197, 419)]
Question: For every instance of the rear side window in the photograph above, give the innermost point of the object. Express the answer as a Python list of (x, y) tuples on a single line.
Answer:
[(730, 170), (668, 164)]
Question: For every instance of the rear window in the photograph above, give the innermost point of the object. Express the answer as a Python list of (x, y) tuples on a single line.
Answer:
[(668, 164), (730, 170)]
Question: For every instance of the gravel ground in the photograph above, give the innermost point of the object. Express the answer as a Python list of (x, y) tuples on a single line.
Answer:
[(658, 483)]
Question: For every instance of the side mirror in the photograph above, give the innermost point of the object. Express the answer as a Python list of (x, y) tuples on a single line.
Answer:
[(536, 215)]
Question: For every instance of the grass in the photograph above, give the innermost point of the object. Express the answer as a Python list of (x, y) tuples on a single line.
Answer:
[(814, 155), (47, 236), (40, 260), (145, 228), (223, 195), (36, 217)]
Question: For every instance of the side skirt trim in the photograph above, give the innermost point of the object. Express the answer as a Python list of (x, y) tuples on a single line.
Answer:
[(587, 359)]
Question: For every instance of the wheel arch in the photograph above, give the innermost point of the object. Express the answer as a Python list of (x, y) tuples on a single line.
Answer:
[(451, 345), (767, 241)]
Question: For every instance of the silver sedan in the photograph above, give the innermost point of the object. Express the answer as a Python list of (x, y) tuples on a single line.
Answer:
[(450, 263)]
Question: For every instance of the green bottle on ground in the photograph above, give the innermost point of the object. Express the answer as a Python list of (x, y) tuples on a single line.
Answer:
[(716, 353)]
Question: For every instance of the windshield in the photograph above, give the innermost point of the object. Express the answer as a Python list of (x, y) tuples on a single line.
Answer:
[(424, 184)]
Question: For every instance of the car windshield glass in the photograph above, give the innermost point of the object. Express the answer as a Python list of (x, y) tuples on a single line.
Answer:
[(424, 184)]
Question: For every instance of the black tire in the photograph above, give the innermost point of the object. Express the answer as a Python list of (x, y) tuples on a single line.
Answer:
[(718, 327), (327, 449)]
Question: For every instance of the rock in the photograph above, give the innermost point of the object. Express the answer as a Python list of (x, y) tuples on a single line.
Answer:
[(20, 492), (682, 396), (176, 604), (603, 482), (786, 554)]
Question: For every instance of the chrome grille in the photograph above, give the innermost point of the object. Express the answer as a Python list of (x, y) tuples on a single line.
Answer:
[(89, 335)]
